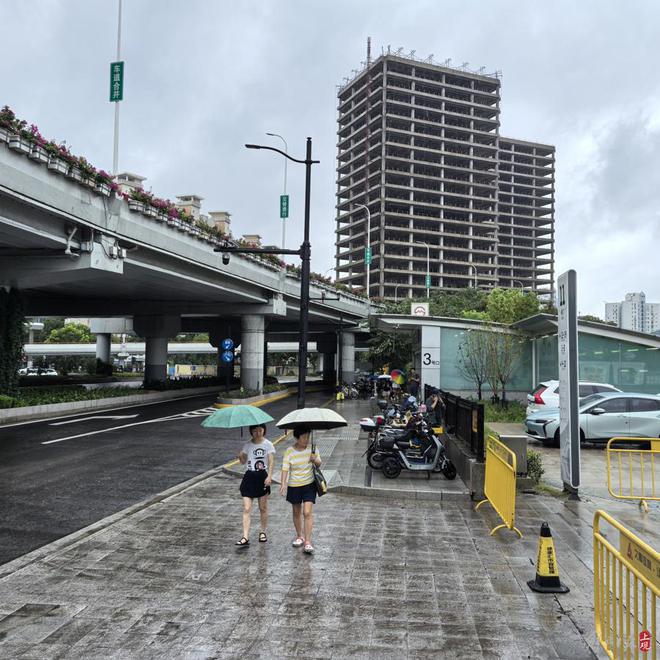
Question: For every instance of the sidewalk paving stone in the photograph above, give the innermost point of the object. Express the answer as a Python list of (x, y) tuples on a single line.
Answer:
[(399, 578)]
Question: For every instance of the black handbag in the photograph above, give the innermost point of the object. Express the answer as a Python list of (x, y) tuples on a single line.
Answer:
[(319, 480)]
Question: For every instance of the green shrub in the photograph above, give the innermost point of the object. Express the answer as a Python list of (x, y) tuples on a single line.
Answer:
[(41, 396), (534, 465), (495, 413), (242, 393), (8, 401)]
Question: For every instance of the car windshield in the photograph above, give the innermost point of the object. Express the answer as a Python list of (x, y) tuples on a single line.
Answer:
[(588, 400)]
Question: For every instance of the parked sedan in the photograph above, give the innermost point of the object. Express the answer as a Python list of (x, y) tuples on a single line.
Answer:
[(601, 417), (546, 394)]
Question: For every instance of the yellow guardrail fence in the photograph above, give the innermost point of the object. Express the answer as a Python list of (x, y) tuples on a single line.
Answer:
[(634, 473), (500, 483), (626, 588)]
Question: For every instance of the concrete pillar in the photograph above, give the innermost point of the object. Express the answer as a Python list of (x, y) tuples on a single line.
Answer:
[(155, 359), (156, 330), (103, 346), (252, 352), (347, 356), (329, 372)]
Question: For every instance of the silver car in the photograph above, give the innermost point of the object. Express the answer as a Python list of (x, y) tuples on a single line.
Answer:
[(601, 417)]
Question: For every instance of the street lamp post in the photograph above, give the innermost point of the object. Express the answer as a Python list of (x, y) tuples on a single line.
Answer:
[(286, 149), (304, 253), (396, 287), (428, 269), (367, 249), (522, 286)]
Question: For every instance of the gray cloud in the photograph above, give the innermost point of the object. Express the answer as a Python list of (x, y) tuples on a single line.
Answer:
[(204, 77)]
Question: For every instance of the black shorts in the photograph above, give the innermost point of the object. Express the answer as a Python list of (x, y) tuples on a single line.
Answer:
[(300, 494), (253, 484)]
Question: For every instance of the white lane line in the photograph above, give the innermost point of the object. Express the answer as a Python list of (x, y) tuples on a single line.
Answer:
[(43, 420), (169, 418), (113, 428), (85, 419)]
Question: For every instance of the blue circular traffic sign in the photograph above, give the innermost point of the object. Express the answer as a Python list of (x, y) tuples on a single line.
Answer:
[(227, 344), (227, 356)]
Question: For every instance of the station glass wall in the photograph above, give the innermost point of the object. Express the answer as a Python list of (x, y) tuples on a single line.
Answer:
[(450, 374), (626, 365)]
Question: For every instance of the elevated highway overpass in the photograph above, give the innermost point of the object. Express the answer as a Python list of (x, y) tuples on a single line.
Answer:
[(74, 252)]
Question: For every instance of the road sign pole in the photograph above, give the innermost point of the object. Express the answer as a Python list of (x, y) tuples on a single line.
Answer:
[(567, 345), (115, 153)]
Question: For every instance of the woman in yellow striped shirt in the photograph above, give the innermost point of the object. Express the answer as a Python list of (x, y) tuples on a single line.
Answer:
[(298, 485)]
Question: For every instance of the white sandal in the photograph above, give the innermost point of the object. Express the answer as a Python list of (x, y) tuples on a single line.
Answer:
[(299, 542), (309, 549)]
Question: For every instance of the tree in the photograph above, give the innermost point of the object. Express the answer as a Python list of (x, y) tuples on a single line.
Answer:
[(510, 305), (71, 333), (504, 352), (455, 303), (473, 358), (394, 348)]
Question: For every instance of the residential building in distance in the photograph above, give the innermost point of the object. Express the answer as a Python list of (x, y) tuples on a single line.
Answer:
[(452, 204), (634, 313)]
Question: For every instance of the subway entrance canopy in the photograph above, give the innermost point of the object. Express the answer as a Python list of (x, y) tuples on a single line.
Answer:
[(626, 359)]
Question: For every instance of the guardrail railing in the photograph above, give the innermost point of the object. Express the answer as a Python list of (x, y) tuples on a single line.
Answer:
[(633, 473), (626, 588), (500, 483)]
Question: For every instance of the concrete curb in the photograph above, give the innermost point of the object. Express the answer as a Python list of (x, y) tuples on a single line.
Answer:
[(397, 495), (66, 542), (258, 400), (29, 413)]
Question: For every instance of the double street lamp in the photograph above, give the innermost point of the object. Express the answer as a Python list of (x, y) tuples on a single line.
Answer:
[(428, 269), (367, 249), (304, 253), (286, 149)]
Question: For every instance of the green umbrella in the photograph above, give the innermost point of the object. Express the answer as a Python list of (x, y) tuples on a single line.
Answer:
[(234, 417)]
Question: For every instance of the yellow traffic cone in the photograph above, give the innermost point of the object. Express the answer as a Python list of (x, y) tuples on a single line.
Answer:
[(547, 570)]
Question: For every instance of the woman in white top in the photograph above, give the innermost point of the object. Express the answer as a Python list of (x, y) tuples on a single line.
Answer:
[(298, 485), (257, 456)]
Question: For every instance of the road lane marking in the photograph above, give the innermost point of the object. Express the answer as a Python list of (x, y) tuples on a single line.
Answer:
[(44, 420), (85, 419)]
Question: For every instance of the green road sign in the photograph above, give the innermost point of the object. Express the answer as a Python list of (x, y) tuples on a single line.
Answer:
[(367, 256), (116, 81), (284, 206), (428, 281)]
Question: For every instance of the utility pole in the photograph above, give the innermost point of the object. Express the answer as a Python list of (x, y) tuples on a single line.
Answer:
[(117, 92)]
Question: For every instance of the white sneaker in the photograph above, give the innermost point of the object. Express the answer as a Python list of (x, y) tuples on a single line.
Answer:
[(298, 543), (308, 549)]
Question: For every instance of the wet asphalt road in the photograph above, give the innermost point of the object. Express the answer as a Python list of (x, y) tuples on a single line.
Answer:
[(60, 475)]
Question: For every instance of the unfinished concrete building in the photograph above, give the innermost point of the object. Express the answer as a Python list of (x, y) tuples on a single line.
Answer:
[(419, 147)]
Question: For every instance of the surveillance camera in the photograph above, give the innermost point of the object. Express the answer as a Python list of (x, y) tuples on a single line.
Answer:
[(225, 258)]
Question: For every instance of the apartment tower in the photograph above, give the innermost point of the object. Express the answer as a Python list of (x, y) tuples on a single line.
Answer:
[(451, 203)]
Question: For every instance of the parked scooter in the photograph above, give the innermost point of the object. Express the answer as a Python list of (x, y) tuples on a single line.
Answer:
[(414, 447)]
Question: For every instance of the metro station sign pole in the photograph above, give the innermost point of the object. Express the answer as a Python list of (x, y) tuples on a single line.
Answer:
[(305, 256)]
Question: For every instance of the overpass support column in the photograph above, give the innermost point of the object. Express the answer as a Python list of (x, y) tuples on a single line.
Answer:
[(103, 347), (347, 356), (327, 348), (252, 352), (156, 330), (155, 359)]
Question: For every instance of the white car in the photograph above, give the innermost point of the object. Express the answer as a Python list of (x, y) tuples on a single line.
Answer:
[(546, 394), (603, 416)]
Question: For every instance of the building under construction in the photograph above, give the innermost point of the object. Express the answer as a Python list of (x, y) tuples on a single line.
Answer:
[(425, 179)]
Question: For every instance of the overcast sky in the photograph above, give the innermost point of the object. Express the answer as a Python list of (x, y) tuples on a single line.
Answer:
[(203, 77)]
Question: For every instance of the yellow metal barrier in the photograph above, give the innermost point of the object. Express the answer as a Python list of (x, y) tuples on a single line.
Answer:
[(626, 588), (631, 471), (500, 483)]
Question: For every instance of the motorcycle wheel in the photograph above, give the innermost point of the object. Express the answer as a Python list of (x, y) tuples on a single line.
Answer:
[(391, 467), (376, 460), (449, 470)]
